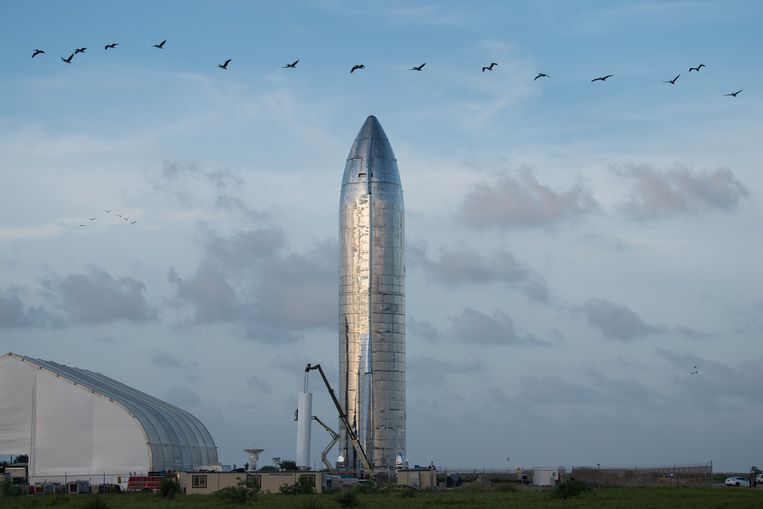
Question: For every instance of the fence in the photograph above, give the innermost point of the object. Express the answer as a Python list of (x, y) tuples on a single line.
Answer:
[(671, 475)]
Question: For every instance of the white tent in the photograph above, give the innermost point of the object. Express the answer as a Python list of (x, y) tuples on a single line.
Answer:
[(78, 424)]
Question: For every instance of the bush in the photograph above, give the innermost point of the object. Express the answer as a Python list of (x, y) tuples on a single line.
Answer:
[(302, 487), (237, 495), (407, 493), (348, 499), (168, 488), (569, 489), (96, 502)]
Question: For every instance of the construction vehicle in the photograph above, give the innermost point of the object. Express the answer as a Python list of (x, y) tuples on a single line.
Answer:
[(334, 440), (367, 469)]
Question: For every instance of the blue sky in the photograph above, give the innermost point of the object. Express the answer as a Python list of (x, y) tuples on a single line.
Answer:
[(574, 248)]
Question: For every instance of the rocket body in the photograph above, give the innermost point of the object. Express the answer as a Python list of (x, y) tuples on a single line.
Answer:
[(372, 300)]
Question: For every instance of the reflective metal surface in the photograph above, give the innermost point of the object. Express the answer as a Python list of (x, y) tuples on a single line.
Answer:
[(372, 299)]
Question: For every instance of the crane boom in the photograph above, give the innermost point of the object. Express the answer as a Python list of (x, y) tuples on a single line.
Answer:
[(343, 417), (334, 440)]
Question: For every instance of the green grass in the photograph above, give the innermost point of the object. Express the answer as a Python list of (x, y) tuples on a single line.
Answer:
[(641, 498)]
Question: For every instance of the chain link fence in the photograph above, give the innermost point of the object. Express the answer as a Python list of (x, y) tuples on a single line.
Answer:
[(697, 476)]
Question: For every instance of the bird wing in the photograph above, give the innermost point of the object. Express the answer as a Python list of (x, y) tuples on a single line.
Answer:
[(228, 61), (294, 64), (676, 78)]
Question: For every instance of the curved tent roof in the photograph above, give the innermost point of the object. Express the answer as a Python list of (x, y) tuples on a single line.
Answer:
[(177, 439)]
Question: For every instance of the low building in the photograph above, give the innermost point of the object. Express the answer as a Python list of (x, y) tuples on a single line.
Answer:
[(205, 483), (547, 476), (418, 478)]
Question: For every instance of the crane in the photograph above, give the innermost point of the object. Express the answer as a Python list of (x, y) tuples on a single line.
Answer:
[(334, 440), (343, 417)]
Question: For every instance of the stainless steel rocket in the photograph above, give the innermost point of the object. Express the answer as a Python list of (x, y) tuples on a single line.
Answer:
[(372, 299)]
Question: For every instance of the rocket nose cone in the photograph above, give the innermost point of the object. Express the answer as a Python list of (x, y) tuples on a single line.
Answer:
[(371, 157)]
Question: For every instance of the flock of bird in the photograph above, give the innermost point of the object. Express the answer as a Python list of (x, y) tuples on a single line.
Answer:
[(360, 67), (120, 216)]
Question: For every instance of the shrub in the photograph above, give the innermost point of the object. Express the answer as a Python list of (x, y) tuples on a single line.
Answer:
[(303, 487), (348, 499), (168, 487), (96, 502), (569, 489), (407, 493), (237, 495)]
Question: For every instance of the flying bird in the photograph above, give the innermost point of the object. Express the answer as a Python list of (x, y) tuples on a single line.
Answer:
[(133, 222), (79, 50), (68, 60), (119, 215), (418, 67), (602, 78), (357, 67), (160, 45), (700, 66), (734, 94), (224, 65), (92, 219), (111, 46), (107, 211), (489, 67), (695, 371), (673, 81), (37, 52), (292, 65), (541, 75), (82, 225), (125, 219)]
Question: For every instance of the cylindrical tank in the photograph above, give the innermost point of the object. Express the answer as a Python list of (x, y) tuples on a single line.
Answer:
[(372, 299), (304, 420)]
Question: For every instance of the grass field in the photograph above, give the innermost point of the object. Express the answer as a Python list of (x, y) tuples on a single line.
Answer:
[(641, 498)]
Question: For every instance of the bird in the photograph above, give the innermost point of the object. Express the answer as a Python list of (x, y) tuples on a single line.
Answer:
[(111, 46), (79, 50), (125, 219), (92, 219), (733, 94), (602, 78), (673, 81), (224, 65), (292, 65), (418, 67), (133, 222), (37, 52), (160, 45), (489, 67), (357, 67), (107, 211), (119, 215), (82, 225), (695, 371), (68, 60), (541, 75), (700, 66)]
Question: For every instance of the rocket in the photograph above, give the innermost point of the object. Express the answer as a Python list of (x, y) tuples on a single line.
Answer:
[(372, 300)]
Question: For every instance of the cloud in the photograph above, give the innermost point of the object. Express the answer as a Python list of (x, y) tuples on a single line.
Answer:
[(14, 313), (423, 329), (249, 278), (659, 194), (181, 396), (475, 327), (262, 385), (520, 201), (95, 297), (424, 370), (190, 183), (615, 321), (460, 265)]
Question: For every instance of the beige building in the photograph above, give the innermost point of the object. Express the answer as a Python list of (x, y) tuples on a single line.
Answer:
[(204, 483), (418, 478)]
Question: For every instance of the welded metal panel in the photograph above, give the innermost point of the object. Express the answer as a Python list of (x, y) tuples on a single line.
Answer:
[(372, 298)]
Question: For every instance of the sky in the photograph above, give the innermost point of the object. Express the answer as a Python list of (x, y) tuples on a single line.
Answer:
[(574, 250)]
